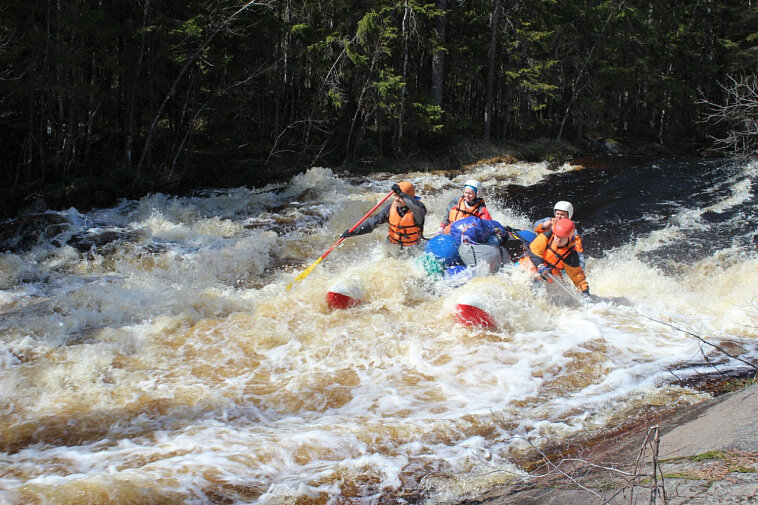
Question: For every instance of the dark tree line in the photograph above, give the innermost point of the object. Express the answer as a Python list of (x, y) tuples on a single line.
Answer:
[(151, 90)]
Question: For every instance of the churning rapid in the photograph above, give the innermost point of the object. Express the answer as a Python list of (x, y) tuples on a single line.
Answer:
[(150, 353)]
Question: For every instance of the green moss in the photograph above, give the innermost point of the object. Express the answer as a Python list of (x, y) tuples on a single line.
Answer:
[(739, 384), (682, 475), (743, 469), (710, 455)]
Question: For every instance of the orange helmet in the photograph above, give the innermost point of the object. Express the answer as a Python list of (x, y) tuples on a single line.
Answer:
[(407, 188), (564, 228)]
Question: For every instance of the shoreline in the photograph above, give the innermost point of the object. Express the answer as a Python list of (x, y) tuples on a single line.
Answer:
[(707, 450), (86, 192)]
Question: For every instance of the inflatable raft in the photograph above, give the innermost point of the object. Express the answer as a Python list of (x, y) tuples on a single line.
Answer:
[(475, 247)]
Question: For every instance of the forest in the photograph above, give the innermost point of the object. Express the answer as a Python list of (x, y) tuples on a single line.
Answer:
[(102, 99)]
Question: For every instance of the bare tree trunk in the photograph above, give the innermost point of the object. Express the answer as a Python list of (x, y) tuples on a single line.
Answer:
[(490, 86), (92, 109), (132, 98), (28, 159), (279, 76), (398, 147), (190, 61), (69, 150), (56, 97), (438, 60), (580, 83), (665, 108), (42, 120), (187, 135)]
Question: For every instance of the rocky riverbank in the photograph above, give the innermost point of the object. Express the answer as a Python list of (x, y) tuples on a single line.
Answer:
[(705, 454)]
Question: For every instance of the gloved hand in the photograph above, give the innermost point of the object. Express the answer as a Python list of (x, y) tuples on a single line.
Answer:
[(586, 292), (396, 189), (346, 233), (544, 271)]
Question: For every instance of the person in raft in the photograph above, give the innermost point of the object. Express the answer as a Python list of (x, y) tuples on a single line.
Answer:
[(405, 215), (561, 210), (555, 250), (470, 204)]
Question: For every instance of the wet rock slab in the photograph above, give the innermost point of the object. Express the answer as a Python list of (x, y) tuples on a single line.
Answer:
[(708, 455), (730, 423)]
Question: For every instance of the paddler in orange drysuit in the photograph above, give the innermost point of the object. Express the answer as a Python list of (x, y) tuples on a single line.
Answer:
[(561, 210), (405, 215), (554, 251), (470, 204)]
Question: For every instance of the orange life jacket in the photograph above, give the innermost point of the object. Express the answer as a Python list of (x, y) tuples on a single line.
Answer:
[(460, 211), (555, 256), (559, 259), (403, 229)]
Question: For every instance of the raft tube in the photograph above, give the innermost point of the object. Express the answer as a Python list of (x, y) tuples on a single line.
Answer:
[(470, 311), (526, 235), (458, 275), (343, 295)]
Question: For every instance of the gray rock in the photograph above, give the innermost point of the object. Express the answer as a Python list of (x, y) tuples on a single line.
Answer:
[(708, 455)]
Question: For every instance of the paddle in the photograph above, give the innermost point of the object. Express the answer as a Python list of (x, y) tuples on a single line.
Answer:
[(583, 300), (305, 273), (566, 289), (549, 274)]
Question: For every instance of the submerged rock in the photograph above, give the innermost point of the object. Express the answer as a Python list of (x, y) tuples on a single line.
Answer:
[(23, 233), (86, 241)]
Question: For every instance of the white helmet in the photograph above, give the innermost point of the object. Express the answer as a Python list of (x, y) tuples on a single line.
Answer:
[(475, 185), (564, 206)]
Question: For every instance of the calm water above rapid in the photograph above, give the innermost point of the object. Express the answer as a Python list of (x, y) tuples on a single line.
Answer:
[(150, 353)]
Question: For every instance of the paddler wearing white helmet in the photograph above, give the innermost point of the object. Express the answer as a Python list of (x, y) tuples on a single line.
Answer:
[(471, 203), (561, 210)]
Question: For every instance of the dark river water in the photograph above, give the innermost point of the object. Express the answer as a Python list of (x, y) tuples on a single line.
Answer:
[(628, 198)]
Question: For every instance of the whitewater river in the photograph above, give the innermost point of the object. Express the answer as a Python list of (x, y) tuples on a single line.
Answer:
[(150, 353)]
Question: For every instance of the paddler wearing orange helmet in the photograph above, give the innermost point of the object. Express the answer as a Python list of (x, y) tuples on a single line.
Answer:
[(405, 215), (561, 210), (555, 250)]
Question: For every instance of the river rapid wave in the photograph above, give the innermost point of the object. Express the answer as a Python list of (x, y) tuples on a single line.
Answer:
[(150, 353)]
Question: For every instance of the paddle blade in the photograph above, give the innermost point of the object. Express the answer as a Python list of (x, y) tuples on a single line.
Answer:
[(305, 273), (308, 270)]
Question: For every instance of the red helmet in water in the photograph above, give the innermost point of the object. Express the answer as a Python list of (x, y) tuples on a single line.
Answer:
[(564, 228)]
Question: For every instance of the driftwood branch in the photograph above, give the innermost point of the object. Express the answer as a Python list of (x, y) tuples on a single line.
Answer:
[(738, 114), (643, 480), (702, 340)]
